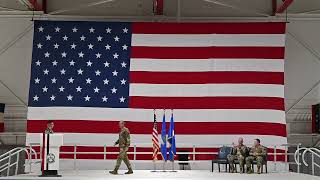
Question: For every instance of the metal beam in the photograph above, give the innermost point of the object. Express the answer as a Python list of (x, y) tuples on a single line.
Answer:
[(285, 4), (36, 5), (44, 6), (178, 10), (81, 6), (158, 7), (9, 9), (308, 12), (274, 7), (237, 8)]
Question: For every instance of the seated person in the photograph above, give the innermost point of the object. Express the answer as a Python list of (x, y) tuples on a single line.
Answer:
[(239, 153), (258, 153)]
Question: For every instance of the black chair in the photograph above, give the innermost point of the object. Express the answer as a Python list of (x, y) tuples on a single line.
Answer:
[(224, 151), (183, 157), (265, 162)]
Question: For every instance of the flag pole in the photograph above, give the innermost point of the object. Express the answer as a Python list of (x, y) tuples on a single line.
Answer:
[(154, 160), (172, 170), (164, 161)]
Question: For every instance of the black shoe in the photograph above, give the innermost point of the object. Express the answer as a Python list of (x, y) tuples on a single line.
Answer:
[(113, 172), (129, 172)]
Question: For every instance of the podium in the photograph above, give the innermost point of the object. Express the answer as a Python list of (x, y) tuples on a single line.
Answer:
[(50, 144)]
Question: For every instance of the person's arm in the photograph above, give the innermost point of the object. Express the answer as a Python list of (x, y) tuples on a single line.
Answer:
[(251, 153), (116, 143), (128, 139), (263, 151)]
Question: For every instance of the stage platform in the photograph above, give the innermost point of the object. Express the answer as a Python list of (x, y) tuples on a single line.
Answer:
[(147, 174)]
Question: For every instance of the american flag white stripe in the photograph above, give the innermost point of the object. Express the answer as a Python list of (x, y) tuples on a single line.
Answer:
[(207, 90), (143, 115), (206, 40), (205, 65), (92, 139)]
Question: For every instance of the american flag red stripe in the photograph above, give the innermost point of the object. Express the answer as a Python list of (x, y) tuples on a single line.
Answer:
[(239, 73), (209, 28), (207, 77), (207, 52), (107, 127), (208, 102)]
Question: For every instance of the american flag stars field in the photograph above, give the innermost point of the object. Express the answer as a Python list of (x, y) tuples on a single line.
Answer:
[(79, 65)]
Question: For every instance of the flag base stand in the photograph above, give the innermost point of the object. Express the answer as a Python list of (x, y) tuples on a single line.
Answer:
[(173, 167), (155, 168)]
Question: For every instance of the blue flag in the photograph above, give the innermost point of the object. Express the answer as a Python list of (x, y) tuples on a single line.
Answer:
[(164, 138), (172, 140)]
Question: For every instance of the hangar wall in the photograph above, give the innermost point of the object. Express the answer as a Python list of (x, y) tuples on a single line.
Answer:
[(302, 72)]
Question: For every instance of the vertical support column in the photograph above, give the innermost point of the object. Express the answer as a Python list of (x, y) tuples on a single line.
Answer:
[(275, 158), (194, 152), (286, 156), (178, 10), (9, 162), (298, 158), (30, 157), (134, 152), (17, 164), (312, 163), (105, 152), (44, 6), (75, 157), (274, 7), (158, 7), (2, 117)]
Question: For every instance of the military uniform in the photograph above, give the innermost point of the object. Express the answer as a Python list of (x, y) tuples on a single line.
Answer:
[(239, 153), (48, 131), (124, 143), (257, 153)]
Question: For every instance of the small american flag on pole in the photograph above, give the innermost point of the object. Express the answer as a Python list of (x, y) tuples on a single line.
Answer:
[(155, 140)]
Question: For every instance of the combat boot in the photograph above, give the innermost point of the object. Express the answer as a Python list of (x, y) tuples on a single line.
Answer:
[(129, 172), (113, 172), (231, 169), (241, 170), (249, 171), (259, 170)]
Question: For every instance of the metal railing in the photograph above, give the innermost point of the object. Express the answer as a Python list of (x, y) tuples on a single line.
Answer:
[(314, 153), (7, 159), (192, 154)]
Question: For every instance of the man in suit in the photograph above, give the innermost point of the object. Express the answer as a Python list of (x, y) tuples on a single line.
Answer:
[(124, 143)]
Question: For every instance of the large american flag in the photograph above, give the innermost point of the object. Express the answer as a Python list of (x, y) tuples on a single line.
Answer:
[(224, 80)]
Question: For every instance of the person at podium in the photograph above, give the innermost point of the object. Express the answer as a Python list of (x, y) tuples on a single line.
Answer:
[(50, 126), (124, 143)]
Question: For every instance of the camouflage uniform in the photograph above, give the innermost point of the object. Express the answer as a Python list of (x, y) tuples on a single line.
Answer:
[(124, 143), (257, 153), (48, 131), (239, 153)]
